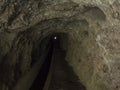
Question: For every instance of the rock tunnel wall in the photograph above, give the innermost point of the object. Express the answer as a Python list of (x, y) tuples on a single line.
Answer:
[(93, 38)]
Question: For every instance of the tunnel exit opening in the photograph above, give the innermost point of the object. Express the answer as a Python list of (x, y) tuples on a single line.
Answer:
[(55, 37)]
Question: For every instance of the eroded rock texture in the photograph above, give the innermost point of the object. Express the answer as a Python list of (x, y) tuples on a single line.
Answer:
[(94, 37)]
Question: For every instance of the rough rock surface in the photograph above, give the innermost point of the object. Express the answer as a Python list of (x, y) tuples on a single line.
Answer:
[(93, 45)]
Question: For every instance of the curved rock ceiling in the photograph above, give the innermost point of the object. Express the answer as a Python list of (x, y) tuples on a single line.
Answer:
[(92, 27)]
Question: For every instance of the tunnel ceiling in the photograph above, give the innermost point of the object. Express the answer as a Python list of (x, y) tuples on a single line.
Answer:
[(93, 33)]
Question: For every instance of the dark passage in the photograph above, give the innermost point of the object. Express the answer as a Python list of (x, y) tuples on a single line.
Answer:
[(41, 78), (63, 77)]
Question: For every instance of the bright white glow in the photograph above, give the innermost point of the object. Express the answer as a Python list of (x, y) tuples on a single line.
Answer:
[(55, 37)]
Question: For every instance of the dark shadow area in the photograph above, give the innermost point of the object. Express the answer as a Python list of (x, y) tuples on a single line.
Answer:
[(41, 77), (38, 49), (63, 77)]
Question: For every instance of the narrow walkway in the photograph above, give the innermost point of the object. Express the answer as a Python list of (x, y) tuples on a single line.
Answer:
[(63, 77)]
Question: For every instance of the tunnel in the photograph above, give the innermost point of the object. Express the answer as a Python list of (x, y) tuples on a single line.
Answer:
[(50, 74), (59, 45)]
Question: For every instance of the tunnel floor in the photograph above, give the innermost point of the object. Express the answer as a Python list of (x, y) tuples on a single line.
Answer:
[(60, 73), (63, 77)]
